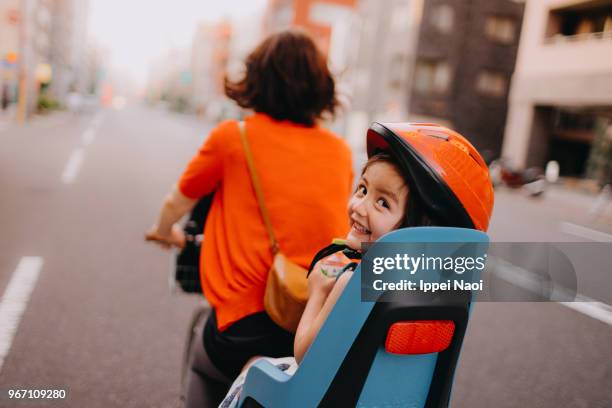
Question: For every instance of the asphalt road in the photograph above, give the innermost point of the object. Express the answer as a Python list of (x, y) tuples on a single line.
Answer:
[(101, 322)]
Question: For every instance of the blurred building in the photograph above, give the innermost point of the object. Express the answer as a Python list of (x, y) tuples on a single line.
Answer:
[(328, 21), (69, 54), (170, 80), (34, 58), (465, 57), (210, 56), (43, 47), (202, 67), (443, 61), (381, 63), (192, 79), (246, 34), (10, 14), (332, 24), (221, 51), (93, 70), (561, 96)]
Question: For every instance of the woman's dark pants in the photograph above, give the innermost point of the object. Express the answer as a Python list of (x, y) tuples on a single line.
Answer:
[(216, 358)]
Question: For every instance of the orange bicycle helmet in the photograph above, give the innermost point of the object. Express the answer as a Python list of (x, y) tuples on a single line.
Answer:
[(450, 177)]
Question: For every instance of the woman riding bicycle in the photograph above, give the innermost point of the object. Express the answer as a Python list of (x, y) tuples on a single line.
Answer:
[(305, 174)]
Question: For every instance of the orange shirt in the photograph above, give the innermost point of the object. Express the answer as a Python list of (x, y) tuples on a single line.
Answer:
[(306, 178)]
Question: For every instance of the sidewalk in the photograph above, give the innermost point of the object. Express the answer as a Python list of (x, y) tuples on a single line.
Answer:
[(7, 118), (8, 121)]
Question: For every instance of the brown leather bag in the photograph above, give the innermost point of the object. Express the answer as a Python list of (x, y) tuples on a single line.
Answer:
[(287, 286)]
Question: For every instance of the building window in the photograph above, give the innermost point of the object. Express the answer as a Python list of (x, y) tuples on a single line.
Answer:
[(400, 17), (500, 29), (432, 76), (590, 19), (396, 71), (607, 28), (443, 17), (491, 83)]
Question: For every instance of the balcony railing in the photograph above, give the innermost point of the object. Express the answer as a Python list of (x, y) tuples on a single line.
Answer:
[(563, 39)]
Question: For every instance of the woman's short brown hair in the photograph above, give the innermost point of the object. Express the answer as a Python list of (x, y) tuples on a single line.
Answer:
[(287, 78)]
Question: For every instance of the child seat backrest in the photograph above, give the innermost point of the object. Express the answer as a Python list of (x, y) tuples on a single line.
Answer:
[(393, 354)]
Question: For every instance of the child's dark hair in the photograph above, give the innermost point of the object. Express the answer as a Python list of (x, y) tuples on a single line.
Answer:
[(414, 213)]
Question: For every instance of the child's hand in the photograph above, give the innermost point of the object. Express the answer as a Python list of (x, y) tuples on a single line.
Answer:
[(318, 282)]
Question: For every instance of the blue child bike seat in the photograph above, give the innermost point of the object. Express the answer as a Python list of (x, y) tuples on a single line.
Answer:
[(348, 363)]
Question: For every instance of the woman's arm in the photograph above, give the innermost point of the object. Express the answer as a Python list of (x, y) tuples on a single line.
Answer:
[(164, 232), (324, 293), (200, 178)]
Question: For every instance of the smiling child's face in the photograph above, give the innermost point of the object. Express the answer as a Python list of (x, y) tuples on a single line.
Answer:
[(378, 204)]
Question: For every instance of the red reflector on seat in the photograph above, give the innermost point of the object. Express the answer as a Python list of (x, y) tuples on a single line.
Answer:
[(419, 337)]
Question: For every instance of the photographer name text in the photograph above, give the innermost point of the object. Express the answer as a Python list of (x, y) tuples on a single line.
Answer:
[(423, 286)]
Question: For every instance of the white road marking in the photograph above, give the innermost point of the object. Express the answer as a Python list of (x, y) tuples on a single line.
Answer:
[(76, 158), (527, 280), (72, 167), (584, 232), (591, 308), (15, 300), (88, 136)]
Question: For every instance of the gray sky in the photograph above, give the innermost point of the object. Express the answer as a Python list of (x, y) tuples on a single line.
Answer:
[(135, 31)]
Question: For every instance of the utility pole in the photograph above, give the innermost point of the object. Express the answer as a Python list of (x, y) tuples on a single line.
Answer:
[(22, 101)]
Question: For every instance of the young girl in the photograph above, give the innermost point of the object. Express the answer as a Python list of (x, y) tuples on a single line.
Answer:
[(416, 175)]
